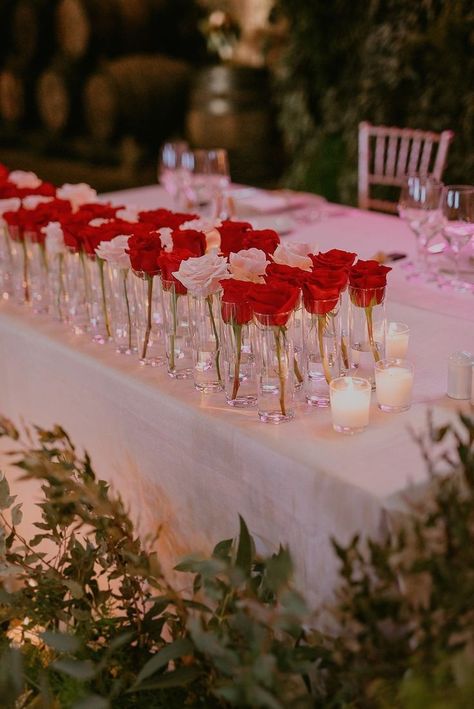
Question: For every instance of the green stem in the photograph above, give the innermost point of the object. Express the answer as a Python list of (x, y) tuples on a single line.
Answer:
[(127, 302), (370, 330), (297, 370), (216, 335), (277, 331), (26, 286), (148, 321), (345, 355), (104, 298), (321, 327), (238, 358), (174, 309)]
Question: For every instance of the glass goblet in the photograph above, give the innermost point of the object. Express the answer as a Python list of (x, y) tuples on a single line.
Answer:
[(171, 169), (458, 226)]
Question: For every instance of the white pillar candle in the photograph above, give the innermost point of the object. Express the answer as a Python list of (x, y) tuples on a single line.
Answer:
[(460, 375), (350, 404), (396, 342), (394, 384)]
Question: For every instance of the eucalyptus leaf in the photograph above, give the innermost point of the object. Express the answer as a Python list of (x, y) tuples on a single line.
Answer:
[(61, 642), (80, 670), (17, 514), (175, 650), (93, 701), (244, 548), (176, 678)]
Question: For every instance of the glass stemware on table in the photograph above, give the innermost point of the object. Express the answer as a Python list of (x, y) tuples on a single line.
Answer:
[(171, 170), (458, 231), (419, 206), (207, 181)]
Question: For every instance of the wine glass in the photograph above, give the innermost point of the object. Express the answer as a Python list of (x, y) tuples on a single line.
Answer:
[(458, 225), (171, 169), (419, 206), (207, 181)]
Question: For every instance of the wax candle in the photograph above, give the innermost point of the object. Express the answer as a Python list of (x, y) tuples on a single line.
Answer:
[(350, 404), (394, 384), (460, 375), (396, 343)]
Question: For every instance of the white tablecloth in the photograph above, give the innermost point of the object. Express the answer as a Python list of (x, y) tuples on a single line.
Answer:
[(190, 464)]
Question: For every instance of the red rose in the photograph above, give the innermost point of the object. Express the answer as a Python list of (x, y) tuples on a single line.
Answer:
[(265, 239), (235, 304), (275, 299), (169, 262), (93, 235), (8, 189), (4, 172), (144, 249), (190, 239), (288, 274), (96, 210), (321, 290), (161, 218), (335, 258), (232, 236), (368, 280)]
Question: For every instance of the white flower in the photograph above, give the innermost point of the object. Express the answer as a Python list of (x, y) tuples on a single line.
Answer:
[(12, 204), (113, 251), (77, 195), (23, 179), (201, 275), (294, 254), (32, 201), (98, 221), (54, 238), (165, 238), (248, 265), (128, 214)]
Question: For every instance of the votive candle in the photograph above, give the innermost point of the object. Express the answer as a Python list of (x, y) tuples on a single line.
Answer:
[(394, 384), (350, 404), (396, 343)]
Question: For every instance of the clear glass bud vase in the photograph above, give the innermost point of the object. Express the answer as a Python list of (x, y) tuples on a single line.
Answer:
[(38, 271), (275, 367), (6, 285), (298, 346), (238, 358), (100, 300), (122, 307), (78, 291), (179, 341), (204, 318), (20, 266), (344, 330), (58, 294), (322, 333), (367, 324), (149, 318)]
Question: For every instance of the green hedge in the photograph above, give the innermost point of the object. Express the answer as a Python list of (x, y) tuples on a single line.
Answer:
[(398, 62)]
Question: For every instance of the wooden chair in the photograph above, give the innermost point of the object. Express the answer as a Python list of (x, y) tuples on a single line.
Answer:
[(388, 155)]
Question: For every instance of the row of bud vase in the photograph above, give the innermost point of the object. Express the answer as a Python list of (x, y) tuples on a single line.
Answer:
[(204, 318), (238, 358), (322, 347), (149, 319)]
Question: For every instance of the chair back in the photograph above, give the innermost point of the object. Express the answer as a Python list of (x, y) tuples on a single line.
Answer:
[(387, 155)]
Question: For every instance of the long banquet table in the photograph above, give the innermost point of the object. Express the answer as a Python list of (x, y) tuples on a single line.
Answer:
[(190, 464)]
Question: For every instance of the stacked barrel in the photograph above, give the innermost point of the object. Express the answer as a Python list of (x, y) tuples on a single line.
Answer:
[(103, 68)]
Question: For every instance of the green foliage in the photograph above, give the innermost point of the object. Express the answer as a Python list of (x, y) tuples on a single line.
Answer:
[(93, 622), (394, 62)]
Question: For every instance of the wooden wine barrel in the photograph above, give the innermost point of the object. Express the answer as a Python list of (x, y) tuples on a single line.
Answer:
[(230, 107), (59, 96), (17, 106), (32, 33), (104, 27), (140, 95)]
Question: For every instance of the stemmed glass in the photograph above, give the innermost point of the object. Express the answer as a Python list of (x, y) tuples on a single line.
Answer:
[(207, 181), (171, 170), (458, 225), (420, 207)]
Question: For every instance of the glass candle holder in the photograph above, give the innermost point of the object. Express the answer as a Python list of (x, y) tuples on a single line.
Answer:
[(396, 340), (178, 337), (367, 324), (394, 384), (204, 319), (275, 367), (147, 299), (238, 358), (350, 404), (322, 335)]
